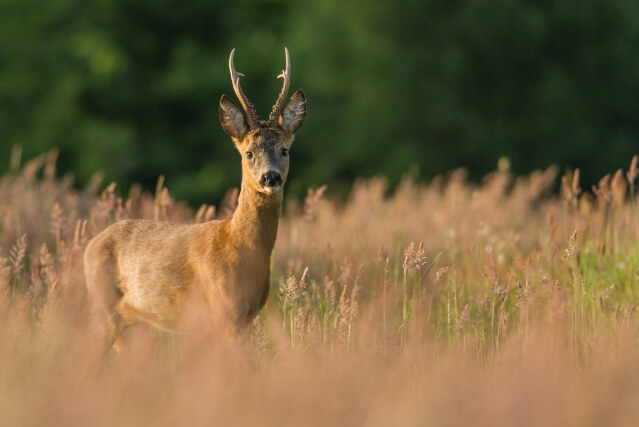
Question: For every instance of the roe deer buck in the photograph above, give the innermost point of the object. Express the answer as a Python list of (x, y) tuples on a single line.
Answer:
[(144, 271)]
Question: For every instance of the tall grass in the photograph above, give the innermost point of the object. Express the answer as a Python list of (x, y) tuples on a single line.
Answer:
[(446, 304)]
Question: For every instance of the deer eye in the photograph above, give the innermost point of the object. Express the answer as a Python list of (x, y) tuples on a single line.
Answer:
[(284, 152), (249, 155)]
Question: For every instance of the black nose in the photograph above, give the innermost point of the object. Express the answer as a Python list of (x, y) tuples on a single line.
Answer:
[(271, 179)]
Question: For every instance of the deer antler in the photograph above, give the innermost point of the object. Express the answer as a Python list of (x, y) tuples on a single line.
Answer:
[(279, 104), (248, 107)]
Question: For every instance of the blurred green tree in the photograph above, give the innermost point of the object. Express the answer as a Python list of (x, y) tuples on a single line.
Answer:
[(131, 87)]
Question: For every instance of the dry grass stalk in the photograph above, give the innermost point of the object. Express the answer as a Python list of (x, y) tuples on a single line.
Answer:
[(312, 201), (633, 172)]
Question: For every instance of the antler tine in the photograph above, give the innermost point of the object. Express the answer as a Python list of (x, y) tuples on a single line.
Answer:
[(279, 104), (246, 104)]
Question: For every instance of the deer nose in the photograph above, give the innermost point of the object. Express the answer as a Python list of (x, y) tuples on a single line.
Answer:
[(271, 179)]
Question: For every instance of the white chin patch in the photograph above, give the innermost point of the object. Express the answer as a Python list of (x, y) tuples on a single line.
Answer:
[(271, 189)]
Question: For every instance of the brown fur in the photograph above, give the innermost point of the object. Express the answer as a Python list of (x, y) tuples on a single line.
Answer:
[(143, 271)]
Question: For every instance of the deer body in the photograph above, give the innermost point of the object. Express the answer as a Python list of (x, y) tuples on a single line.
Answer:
[(144, 271)]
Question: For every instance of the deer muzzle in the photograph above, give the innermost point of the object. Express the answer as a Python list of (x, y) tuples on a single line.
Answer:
[(271, 180)]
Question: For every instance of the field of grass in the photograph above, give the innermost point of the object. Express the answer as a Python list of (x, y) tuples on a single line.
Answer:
[(452, 303)]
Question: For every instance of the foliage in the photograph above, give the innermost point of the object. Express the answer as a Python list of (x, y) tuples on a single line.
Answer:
[(130, 87)]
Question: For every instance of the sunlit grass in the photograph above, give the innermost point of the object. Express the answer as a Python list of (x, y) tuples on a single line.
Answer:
[(441, 303)]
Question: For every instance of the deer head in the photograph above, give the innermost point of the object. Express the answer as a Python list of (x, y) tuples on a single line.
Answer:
[(263, 144)]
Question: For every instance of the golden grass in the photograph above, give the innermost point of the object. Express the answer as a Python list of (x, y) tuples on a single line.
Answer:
[(445, 304)]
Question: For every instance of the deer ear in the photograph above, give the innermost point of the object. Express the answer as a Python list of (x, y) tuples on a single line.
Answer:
[(232, 119), (294, 113)]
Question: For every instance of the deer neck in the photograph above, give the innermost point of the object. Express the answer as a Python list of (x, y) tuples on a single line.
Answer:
[(254, 223)]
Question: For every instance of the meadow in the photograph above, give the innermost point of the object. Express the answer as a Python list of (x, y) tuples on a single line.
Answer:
[(504, 302)]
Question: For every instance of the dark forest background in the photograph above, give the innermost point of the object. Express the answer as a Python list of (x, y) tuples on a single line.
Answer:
[(131, 87)]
